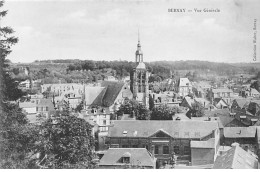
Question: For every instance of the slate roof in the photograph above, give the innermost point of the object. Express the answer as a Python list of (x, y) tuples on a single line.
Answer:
[(112, 91), (254, 91), (176, 129), (217, 100), (224, 116), (241, 102), (113, 155), (104, 95), (203, 144), (240, 132), (236, 158), (46, 102), (27, 105)]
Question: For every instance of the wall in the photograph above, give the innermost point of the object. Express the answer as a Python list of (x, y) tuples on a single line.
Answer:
[(202, 156)]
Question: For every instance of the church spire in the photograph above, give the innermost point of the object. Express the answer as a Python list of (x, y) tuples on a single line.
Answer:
[(138, 53)]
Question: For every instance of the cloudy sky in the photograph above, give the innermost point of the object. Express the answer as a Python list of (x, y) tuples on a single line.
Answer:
[(108, 29)]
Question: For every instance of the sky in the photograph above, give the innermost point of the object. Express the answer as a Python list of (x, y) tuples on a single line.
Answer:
[(108, 30)]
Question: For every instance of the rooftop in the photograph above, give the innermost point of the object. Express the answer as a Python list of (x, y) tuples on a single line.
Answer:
[(240, 132), (176, 129), (236, 158), (138, 156)]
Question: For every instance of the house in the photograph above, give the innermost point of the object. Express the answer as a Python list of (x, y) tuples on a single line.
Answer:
[(224, 93), (101, 101), (202, 151), (220, 103), (188, 101), (246, 111), (110, 78), (167, 97), (120, 158), (183, 87), (166, 137), (236, 158), (28, 107), (254, 93), (45, 108), (25, 84), (245, 136)]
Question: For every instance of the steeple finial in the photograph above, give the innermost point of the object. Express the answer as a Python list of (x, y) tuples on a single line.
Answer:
[(138, 36)]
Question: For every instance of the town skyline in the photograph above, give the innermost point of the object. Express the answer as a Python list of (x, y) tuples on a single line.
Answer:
[(108, 30)]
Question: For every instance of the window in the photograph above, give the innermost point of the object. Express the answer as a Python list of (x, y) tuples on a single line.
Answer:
[(124, 146), (165, 149), (135, 146), (186, 134), (197, 134), (104, 122), (176, 149), (36, 109), (186, 150), (156, 149), (47, 108), (126, 159)]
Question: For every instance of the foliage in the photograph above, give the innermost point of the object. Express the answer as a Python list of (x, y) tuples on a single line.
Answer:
[(65, 141), (17, 138), (79, 107), (197, 109), (142, 113), (151, 102), (164, 112), (134, 108), (129, 107)]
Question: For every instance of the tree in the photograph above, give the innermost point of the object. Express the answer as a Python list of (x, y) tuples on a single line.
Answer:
[(151, 102), (79, 107), (65, 141), (197, 109), (163, 112), (134, 108), (142, 113), (15, 136)]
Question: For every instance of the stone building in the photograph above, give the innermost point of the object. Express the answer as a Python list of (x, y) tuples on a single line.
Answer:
[(139, 78), (168, 137)]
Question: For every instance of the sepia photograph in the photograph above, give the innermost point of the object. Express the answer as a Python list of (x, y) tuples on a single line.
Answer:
[(129, 84)]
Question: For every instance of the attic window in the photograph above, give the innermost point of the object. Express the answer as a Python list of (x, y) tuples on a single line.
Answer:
[(125, 133), (197, 134), (126, 160)]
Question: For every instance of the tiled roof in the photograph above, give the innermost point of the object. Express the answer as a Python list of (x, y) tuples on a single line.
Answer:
[(177, 129), (236, 158), (203, 144), (137, 156), (240, 132)]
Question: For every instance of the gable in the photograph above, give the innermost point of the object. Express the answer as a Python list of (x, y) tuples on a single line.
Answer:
[(161, 133)]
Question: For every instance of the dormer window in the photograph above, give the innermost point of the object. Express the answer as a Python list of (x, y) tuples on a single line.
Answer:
[(126, 160), (124, 133)]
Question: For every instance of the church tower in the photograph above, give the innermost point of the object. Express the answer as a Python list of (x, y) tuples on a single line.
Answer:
[(139, 78)]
